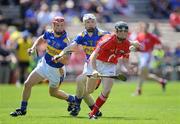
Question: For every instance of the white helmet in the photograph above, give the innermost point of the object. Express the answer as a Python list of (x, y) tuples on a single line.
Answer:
[(88, 16)]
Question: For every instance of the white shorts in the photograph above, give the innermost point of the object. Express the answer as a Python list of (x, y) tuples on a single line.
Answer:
[(144, 59), (54, 75), (103, 68)]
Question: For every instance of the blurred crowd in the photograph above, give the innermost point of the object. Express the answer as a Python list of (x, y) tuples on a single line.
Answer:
[(18, 34), (36, 14)]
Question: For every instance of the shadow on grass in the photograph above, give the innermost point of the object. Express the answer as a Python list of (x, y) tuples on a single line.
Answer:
[(108, 118)]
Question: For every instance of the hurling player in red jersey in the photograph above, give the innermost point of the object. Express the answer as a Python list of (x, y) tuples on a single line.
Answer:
[(148, 41), (103, 61)]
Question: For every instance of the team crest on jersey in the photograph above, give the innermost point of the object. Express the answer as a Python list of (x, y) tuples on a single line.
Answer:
[(66, 40), (122, 51), (90, 42)]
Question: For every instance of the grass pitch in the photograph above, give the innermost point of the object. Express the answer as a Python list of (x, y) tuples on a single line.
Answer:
[(153, 107)]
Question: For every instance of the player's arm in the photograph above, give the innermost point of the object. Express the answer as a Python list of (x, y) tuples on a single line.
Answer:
[(64, 55), (127, 66), (135, 46), (71, 47), (93, 63), (36, 42)]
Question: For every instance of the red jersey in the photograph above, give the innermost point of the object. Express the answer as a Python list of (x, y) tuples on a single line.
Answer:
[(148, 41), (109, 50), (174, 19)]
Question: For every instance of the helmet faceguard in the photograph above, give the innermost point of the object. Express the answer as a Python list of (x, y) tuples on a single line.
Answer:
[(89, 16), (121, 26), (121, 30)]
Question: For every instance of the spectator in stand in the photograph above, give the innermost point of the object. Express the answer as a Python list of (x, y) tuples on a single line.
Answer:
[(156, 31), (55, 11), (6, 56), (43, 18), (159, 9), (177, 64), (23, 58), (175, 19), (30, 20), (174, 4), (120, 7), (168, 62)]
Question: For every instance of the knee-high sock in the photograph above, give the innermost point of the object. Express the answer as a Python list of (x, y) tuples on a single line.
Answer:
[(99, 102)]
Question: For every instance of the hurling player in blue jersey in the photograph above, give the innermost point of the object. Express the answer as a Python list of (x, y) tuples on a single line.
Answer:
[(87, 39), (56, 41)]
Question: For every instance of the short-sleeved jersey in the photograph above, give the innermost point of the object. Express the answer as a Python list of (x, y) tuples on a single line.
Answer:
[(89, 42), (110, 50), (22, 47), (148, 41), (54, 46)]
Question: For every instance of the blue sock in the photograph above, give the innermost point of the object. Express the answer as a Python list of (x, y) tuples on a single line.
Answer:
[(71, 98), (24, 105), (78, 100)]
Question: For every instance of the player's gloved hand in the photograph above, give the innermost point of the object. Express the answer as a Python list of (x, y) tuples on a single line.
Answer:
[(95, 74), (64, 59), (55, 58), (135, 45), (132, 48), (30, 51)]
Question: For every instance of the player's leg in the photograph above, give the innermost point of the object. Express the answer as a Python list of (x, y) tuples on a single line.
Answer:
[(90, 85), (80, 91), (144, 59), (81, 94), (143, 72), (32, 79), (89, 99), (160, 80), (74, 109), (55, 92), (107, 86), (56, 77)]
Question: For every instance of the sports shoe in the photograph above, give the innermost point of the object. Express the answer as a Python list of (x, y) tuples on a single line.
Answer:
[(70, 106), (99, 114), (92, 117), (137, 93), (18, 112), (163, 84), (75, 111)]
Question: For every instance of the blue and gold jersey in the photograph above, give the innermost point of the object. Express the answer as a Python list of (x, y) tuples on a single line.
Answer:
[(89, 42), (54, 46)]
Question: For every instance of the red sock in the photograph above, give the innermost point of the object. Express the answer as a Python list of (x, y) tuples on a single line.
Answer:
[(99, 102)]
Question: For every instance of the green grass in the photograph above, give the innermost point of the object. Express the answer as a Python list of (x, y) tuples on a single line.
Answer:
[(153, 107)]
